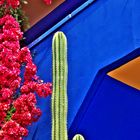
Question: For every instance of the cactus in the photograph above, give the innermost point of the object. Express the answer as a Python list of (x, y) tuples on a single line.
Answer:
[(78, 137), (59, 95)]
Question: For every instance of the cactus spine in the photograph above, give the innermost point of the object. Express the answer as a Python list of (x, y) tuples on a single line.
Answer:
[(59, 95), (78, 137)]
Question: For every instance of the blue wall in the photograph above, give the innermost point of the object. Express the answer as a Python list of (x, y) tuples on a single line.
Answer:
[(99, 35)]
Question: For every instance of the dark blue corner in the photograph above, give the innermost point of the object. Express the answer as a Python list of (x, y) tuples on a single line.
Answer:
[(111, 109)]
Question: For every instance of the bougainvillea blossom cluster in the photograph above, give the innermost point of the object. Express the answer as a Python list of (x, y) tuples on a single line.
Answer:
[(48, 2), (17, 94), (15, 3), (10, 3)]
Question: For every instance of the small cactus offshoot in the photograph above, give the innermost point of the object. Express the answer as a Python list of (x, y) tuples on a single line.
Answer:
[(78, 137)]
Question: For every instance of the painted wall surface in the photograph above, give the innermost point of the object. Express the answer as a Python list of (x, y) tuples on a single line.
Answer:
[(128, 73), (37, 9)]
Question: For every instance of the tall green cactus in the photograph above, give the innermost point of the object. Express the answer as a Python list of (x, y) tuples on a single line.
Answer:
[(59, 95), (78, 137)]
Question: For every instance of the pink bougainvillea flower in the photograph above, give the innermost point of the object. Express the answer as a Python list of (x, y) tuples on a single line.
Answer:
[(17, 109), (48, 2), (10, 3)]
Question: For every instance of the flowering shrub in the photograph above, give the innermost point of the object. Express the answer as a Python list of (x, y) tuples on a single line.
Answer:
[(17, 93), (14, 8), (15, 3), (10, 3)]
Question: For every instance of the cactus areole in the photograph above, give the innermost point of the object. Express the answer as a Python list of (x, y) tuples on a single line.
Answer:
[(59, 95)]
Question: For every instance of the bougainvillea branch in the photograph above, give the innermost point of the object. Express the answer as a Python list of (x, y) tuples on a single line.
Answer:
[(17, 93)]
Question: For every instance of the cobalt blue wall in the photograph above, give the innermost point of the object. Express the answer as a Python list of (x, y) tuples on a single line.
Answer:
[(99, 35)]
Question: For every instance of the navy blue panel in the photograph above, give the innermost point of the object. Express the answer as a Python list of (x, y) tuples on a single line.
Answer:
[(51, 19), (112, 114), (97, 37), (104, 86)]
